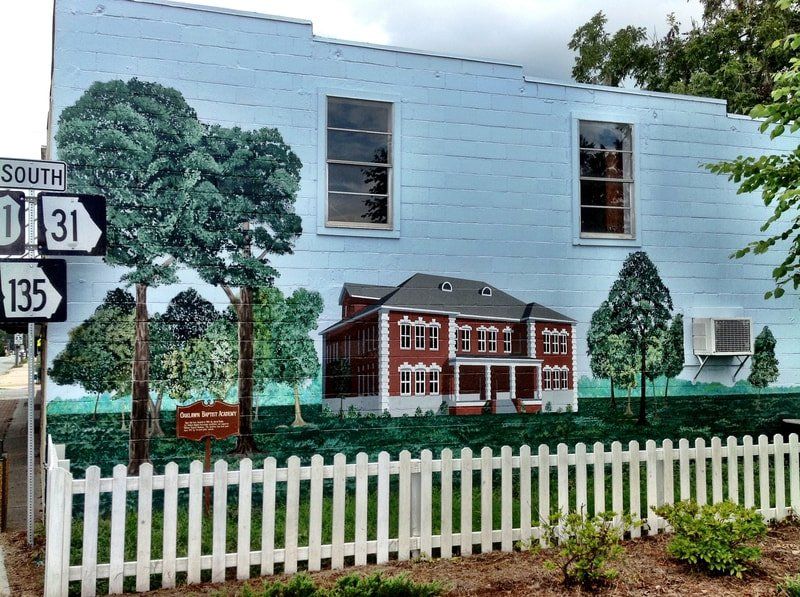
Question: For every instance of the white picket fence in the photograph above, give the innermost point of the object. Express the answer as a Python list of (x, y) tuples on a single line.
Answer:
[(740, 472)]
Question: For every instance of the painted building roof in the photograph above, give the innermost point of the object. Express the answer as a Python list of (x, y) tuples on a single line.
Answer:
[(426, 292)]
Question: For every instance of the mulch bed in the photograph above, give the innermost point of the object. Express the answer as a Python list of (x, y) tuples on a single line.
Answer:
[(644, 569)]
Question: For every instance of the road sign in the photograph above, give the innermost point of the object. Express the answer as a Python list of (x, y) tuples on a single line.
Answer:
[(18, 339), (33, 290), (71, 224), (12, 222), (37, 175)]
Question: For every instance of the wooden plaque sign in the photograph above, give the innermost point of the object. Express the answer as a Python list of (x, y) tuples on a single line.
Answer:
[(201, 419)]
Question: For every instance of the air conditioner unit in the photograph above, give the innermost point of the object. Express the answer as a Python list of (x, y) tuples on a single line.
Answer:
[(722, 337)]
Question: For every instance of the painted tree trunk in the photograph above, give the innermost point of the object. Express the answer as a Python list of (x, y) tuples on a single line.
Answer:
[(155, 416), (139, 450), (642, 420), (666, 390), (96, 400), (629, 410), (613, 397), (245, 443), (298, 415)]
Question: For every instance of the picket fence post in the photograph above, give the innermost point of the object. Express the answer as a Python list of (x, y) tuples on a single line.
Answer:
[(59, 527)]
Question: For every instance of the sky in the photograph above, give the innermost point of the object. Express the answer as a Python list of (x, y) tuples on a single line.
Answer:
[(533, 33)]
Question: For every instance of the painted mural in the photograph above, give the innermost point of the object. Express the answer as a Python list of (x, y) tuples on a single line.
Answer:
[(366, 262)]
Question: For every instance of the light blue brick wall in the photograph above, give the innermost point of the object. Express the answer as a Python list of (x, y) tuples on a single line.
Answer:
[(487, 173)]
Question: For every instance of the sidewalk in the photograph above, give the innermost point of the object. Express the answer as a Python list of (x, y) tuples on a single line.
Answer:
[(13, 433)]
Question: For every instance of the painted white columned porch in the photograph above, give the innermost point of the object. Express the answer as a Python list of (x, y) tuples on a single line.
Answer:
[(489, 363)]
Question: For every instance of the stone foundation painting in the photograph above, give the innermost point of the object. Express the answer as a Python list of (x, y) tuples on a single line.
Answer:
[(367, 248)]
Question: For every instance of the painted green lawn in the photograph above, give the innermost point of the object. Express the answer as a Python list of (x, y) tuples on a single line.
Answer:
[(104, 443)]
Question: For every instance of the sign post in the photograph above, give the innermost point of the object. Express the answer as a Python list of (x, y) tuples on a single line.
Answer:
[(203, 421), (34, 290)]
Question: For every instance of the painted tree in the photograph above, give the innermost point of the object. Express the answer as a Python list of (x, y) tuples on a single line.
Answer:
[(640, 306), (764, 367), (258, 176), (728, 54), (99, 351), (654, 359), (672, 355), (204, 367), (294, 356), (622, 364), (139, 144), (187, 317), (599, 348), (776, 175)]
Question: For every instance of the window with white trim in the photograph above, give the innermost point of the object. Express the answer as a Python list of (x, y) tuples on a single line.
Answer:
[(419, 336), (547, 379), (565, 379), (359, 161), (492, 340), (419, 382), (563, 338), (405, 382), (466, 340), (481, 340), (433, 337), (405, 335), (433, 382), (606, 179), (506, 340), (546, 342)]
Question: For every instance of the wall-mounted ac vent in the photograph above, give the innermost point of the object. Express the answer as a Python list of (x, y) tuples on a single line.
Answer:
[(730, 336)]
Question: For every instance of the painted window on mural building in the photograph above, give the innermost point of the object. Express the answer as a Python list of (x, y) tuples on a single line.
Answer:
[(606, 179), (359, 161)]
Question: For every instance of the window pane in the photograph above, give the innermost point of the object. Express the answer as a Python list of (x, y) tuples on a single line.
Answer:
[(606, 221), (600, 193), (358, 114), (606, 164), (358, 179), (605, 135), (364, 209), (358, 147)]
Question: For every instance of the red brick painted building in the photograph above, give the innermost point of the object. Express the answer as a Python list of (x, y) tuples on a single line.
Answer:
[(437, 342)]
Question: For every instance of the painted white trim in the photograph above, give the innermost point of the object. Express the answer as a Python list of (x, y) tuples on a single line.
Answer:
[(358, 93), (452, 337), (383, 359), (446, 286), (574, 370)]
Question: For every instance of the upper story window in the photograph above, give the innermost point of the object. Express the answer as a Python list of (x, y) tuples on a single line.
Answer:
[(419, 336), (492, 340), (433, 337), (481, 340), (506, 340), (405, 335), (546, 342), (563, 338), (606, 180), (359, 160), (465, 339)]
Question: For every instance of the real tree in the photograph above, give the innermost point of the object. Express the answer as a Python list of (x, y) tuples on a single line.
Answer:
[(139, 144), (727, 55), (776, 176), (764, 367), (640, 305)]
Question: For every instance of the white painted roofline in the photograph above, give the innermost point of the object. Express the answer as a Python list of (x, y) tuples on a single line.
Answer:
[(631, 91), (225, 11)]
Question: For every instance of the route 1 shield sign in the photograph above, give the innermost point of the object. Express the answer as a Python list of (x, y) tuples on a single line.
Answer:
[(33, 290), (72, 224), (12, 222)]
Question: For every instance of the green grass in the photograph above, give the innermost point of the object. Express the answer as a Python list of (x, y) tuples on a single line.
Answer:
[(104, 443)]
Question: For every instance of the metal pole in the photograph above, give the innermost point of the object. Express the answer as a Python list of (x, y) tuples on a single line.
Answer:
[(31, 369)]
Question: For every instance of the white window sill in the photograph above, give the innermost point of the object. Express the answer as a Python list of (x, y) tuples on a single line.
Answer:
[(599, 241), (363, 232)]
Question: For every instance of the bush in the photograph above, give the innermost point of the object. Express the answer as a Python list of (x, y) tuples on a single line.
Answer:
[(718, 538), (790, 587), (588, 546), (350, 585)]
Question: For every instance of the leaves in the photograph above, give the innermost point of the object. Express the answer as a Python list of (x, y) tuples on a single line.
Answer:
[(764, 367)]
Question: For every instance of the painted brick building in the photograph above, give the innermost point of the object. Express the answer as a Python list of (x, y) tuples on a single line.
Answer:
[(441, 342), (454, 167)]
